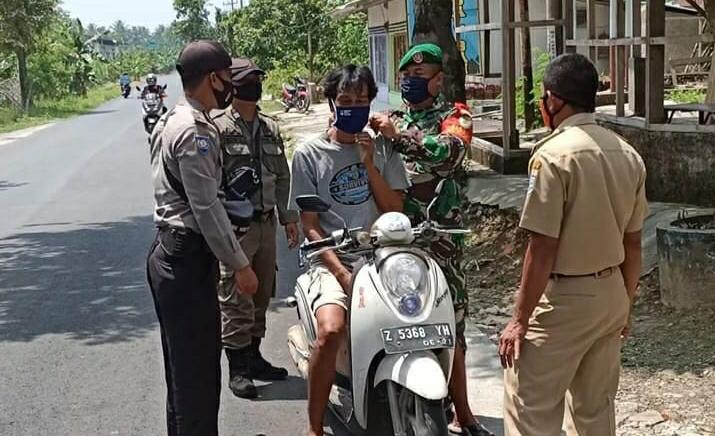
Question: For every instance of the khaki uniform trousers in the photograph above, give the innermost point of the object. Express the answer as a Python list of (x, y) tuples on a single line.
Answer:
[(570, 360), (243, 317)]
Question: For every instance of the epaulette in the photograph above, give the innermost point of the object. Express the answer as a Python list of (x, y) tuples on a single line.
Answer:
[(540, 143), (218, 115)]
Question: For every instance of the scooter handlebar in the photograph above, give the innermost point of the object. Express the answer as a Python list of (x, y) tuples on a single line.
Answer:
[(320, 243)]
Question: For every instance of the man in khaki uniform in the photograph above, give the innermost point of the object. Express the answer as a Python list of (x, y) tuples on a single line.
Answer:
[(584, 210), (252, 148)]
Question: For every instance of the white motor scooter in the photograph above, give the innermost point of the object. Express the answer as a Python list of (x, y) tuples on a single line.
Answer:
[(395, 363)]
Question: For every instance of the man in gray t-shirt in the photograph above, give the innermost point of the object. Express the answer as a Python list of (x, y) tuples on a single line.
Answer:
[(336, 173), (361, 178)]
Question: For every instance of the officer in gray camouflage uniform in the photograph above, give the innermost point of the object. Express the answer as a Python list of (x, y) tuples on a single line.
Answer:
[(257, 171)]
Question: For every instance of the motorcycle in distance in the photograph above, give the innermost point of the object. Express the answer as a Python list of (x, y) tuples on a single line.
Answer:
[(152, 108), (394, 366), (126, 90), (296, 96)]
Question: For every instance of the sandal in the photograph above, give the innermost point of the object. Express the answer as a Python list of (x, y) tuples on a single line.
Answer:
[(473, 430)]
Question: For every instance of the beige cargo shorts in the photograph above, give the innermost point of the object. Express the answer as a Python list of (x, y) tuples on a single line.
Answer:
[(325, 289)]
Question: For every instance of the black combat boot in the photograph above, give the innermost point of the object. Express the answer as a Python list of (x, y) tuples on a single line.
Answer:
[(261, 369), (240, 381)]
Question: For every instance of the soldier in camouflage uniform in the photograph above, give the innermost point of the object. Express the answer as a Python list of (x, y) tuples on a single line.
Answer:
[(433, 136)]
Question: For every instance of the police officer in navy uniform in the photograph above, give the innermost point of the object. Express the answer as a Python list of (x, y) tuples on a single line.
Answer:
[(194, 230)]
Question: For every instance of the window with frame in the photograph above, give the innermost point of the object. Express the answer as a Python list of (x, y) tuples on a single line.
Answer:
[(378, 57), (399, 44)]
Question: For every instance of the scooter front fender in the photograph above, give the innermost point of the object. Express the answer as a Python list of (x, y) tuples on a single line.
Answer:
[(420, 372)]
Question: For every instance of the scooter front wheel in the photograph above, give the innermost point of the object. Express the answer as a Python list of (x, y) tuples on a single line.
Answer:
[(413, 415)]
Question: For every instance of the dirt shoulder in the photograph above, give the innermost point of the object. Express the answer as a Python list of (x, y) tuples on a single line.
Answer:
[(668, 380)]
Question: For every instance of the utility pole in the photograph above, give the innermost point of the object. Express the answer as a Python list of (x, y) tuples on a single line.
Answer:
[(526, 69), (310, 54)]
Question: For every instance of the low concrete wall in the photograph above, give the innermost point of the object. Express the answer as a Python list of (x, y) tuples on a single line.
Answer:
[(681, 166)]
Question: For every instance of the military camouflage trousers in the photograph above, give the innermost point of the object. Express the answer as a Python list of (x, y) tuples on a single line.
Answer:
[(448, 252)]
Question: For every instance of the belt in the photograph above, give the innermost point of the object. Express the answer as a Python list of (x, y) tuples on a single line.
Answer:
[(598, 274), (181, 239), (259, 215)]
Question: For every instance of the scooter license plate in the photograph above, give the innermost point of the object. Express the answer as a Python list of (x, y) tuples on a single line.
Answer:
[(415, 338)]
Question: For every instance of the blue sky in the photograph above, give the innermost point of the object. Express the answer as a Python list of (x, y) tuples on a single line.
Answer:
[(149, 13)]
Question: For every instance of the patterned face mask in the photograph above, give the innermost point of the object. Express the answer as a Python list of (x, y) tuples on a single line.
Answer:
[(415, 89), (352, 119)]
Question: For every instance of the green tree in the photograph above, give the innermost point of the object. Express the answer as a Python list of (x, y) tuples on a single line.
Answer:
[(82, 58), (22, 23), (290, 37), (192, 19), (49, 66)]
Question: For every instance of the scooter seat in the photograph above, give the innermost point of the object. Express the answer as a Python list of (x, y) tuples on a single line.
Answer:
[(289, 88)]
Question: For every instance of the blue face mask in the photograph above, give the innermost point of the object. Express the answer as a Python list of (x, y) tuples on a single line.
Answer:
[(415, 89), (351, 119)]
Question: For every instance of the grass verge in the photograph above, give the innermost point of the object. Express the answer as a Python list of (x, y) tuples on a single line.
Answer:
[(45, 111)]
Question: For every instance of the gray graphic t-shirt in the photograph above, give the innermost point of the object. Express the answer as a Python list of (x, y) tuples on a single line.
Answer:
[(336, 174)]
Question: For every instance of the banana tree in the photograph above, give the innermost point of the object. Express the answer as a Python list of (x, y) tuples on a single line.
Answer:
[(82, 58)]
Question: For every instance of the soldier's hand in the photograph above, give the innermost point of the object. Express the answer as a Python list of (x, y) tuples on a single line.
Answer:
[(292, 235), (367, 147), (381, 122), (246, 281), (510, 343)]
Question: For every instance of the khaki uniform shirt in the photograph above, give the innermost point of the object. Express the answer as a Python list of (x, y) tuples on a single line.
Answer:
[(188, 142), (586, 188), (239, 139)]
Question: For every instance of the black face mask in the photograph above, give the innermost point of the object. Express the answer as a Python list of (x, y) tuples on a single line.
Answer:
[(251, 91), (224, 97)]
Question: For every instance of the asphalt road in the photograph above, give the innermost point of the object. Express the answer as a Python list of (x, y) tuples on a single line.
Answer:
[(79, 344)]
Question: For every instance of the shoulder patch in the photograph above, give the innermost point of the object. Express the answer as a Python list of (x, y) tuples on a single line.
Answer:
[(203, 144)]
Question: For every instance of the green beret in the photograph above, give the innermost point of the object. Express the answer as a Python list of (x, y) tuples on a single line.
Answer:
[(425, 53)]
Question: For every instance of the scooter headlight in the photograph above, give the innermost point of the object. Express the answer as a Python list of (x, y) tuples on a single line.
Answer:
[(405, 277)]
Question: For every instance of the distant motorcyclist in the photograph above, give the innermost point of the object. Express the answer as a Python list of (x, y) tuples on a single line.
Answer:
[(124, 80), (152, 86), (124, 87)]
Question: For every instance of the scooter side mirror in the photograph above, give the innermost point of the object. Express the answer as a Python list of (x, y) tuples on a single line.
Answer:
[(138, 88), (312, 203), (164, 87)]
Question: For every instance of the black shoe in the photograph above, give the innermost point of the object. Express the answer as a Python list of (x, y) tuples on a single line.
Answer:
[(260, 368), (476, 430), (240, 381)]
